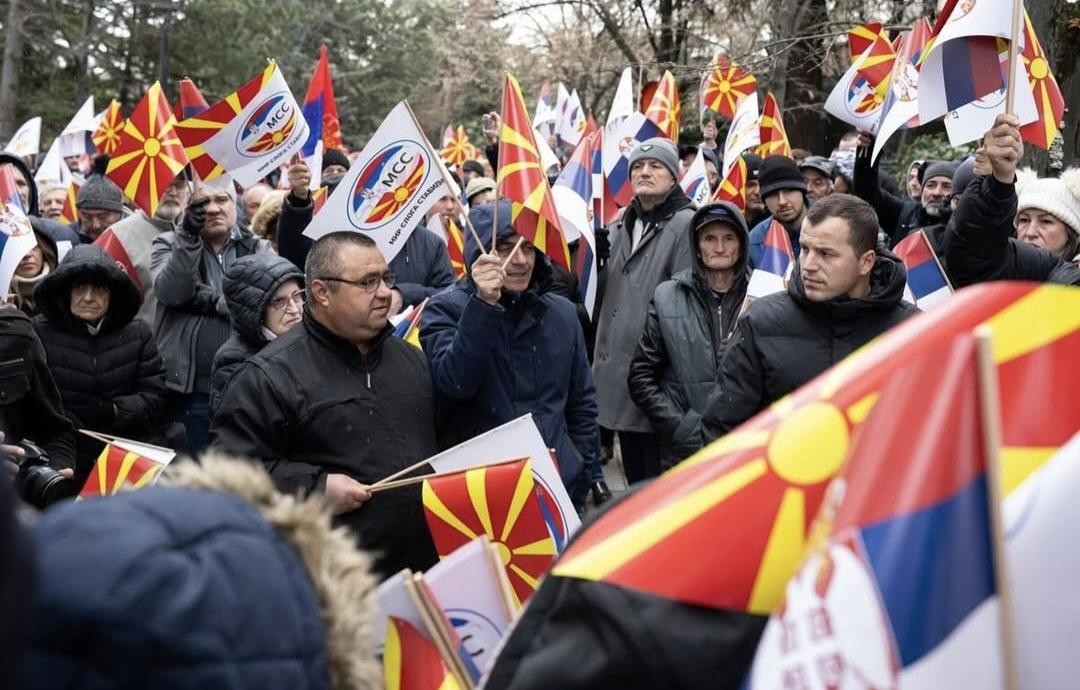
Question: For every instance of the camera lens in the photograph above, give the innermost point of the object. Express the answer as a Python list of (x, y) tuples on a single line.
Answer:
[(41, 485)]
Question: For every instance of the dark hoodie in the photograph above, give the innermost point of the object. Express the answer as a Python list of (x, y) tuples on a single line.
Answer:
[(671, 376), (249, 285), (111, 379), (492, 364), (784, 340)]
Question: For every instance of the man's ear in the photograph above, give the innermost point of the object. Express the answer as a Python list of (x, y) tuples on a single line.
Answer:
[(319, 292), (866, 262)]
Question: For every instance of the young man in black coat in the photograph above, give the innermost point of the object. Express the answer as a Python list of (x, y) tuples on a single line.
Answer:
[(843, 293)]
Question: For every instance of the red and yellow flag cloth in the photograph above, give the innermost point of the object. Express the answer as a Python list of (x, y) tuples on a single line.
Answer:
[(1048, 98), (411, 661), (726, 85), (500, 501), (118, 468), (107, 135), (733, 187), (774, 139), (70, 212), (522, 180), (664, 108), (148, 155), (455, 246), (862, 37), (726, 528), (456, 147)]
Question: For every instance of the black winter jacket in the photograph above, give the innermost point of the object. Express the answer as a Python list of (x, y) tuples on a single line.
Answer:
[(897, 216), (980, 244), (310, 404), (249, 284), (30, 405), (675, 366), (785, 340), (421, 268), (113, 381)]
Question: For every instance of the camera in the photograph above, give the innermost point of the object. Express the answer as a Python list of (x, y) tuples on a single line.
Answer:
[(36, 483)]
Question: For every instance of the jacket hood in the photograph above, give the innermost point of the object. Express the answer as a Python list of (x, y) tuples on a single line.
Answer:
[(733, 217), (18, 163), (88, 263), (887, 282), (481, 219), (249, 284)]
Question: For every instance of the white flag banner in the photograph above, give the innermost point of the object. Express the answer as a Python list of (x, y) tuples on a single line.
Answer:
[(572, 120), (388, 190), (853, 100), (695, 181), (27, 139), (622, 105), (744, 133), (262, 136), (975, 119), (394, 600), (74, 137), (16, 238), (52, 169)]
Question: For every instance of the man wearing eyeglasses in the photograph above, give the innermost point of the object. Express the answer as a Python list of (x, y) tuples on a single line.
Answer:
[(192, 320), (337, 403)]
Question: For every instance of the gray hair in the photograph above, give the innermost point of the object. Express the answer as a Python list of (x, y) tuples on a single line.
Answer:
[(324, 259)]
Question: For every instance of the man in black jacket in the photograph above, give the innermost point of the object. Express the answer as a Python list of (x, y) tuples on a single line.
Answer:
[(338, 403), (842, 294)]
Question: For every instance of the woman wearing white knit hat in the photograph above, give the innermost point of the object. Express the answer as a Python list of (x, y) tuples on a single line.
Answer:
[(1048, 212)]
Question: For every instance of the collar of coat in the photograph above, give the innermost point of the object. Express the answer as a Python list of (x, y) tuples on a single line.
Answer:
[(334, 341)]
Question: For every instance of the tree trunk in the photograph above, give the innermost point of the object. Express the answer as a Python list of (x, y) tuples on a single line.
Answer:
[(9, 72)]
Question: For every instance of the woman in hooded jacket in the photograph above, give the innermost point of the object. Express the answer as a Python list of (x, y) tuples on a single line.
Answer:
[(38, 263), (265, 296)]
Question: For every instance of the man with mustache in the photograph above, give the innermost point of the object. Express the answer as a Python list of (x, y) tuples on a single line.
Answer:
[(337, 403)]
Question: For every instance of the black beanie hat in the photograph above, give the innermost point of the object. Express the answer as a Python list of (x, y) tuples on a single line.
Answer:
[(780, 172), (334, 157)]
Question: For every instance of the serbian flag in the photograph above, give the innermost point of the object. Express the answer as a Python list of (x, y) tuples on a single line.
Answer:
[(412, 662), (695, 181), (148, 155), (733, 187), (725, 86), (522, 180), (191, 99), (70, 212), (249, 133), (777, 261), (320, 113), (605, 210), (901, 106), (16, 233), (125, 465), (619, 141), (927, 285), (107, 135), (903, 591), (858, 97), (744, 132), (774, 140), (1047, 95), (112, 246), (408, 328), (499, 501), (573, 195), (664, 109)]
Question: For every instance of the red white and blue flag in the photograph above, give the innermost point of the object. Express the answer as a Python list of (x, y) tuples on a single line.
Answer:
[(901, 106), (695, 181), (320, 112), (900, 589), (192, 101), (573, 197), (777, 260), (618, 143), (927, 285), (16, 233)]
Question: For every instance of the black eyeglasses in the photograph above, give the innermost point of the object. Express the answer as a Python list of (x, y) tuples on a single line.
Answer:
[(366, 284)]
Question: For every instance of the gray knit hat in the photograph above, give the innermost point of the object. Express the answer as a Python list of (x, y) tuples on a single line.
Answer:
[(99, 192), (659, 149)]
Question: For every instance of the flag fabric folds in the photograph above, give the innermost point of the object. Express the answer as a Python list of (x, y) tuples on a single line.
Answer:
[(112, 246), (725, 86), (695, 181), (191, 99), (52, 169), (69, 213), (107, 135), (320, 113), (412, 662), (522, 180), (858, 97), (619, 141), (926, 281), (124, 465), (396, 179), (1047, 94), (455, 247), (251, 132), (148, 155), (16, 233), (26, 141), (572, 122), (75, 137), (733, 187), (456, 147), (862, 37), (901, 106), (778, 258), (499, 501), (744, 132), (902, 593), (573, 194), (774, 140), (664, 109), (408, 328)]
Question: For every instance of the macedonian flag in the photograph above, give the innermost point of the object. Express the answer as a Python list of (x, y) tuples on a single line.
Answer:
[(726, 85), (455, 246), (107, 135), (148, 155), (117, 468), (522, 180), (664, 108), (733, 187), (862, 37), (1048, 99), (501, 502), (70, 212), (774, 139), (456, 146), (411, 661)]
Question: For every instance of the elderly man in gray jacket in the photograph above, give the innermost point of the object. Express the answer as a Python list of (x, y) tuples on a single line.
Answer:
[(648, 246), (192, 320)]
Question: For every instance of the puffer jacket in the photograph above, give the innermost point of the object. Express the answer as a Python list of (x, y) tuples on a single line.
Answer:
[(112, 381), (674, 369), (249, 285), (897, 216), (210, 579), (980, 243), (663, 251), (784, 340), (493, 364)]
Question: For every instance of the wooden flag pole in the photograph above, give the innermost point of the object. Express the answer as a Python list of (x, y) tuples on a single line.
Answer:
[(937, 260), (1014, 40), (109, 438), (389, 483), (512, 252), (400, 473), (990, 413), (437, 626)]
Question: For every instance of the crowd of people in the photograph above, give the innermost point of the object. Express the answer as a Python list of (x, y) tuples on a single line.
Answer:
[(232, 332)]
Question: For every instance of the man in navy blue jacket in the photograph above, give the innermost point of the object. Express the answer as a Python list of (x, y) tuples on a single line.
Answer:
[(502, 345)]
